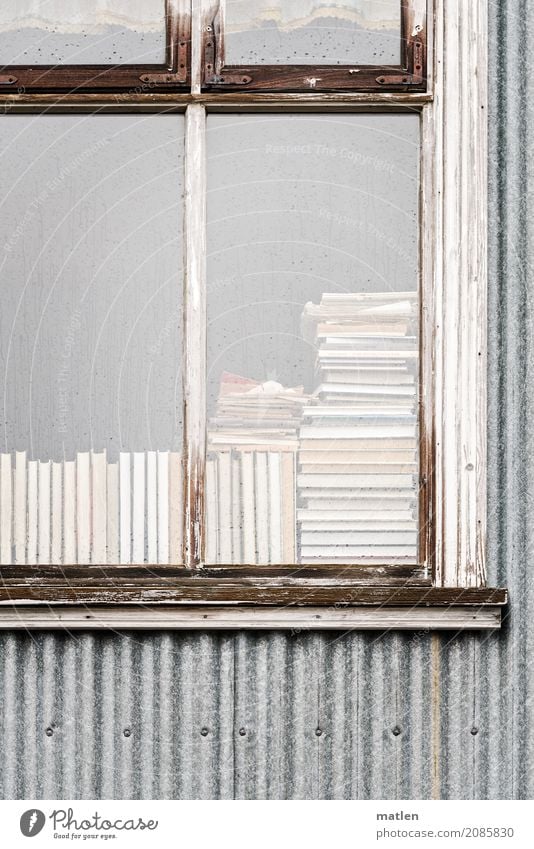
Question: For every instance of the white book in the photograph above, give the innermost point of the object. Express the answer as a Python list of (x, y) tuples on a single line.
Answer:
[(359, 431), (113, 515), (99, 508), (348, 538), (211, 512), (70, 557), (379, 389), (125, 507), (357, 525), (33, 501), (138, 509), (176, 514), (83, 507), (367, 517), (376, 468), (261, 500), (341, 411), (43, 551), (288, 508), (249, 517), (359, 502), (356, 481), (378, 553), (224, 480), (152, 506), (163, 506), (57, 514), (20, 507), (6, 509), (237, 518), (275, 507)]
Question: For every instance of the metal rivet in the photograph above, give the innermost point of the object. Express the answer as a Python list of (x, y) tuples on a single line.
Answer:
[(396, 731), (242, 731), (204, 731), (474, 731), (127, 732), (318, 732), (469, 467), (49, 732)]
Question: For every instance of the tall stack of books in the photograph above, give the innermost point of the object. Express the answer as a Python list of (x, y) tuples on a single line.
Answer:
[(251, 472), (357, 460)]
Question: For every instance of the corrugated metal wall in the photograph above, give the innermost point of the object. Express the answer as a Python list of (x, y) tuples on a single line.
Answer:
[(323, 715)]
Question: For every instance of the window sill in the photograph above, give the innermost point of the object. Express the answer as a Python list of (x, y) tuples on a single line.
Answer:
[(141, 598)]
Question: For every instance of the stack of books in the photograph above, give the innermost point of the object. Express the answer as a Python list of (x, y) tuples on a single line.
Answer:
[(357, 460), (251, 472)]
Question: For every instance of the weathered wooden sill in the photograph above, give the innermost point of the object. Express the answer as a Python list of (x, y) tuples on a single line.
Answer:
[(127, 597)]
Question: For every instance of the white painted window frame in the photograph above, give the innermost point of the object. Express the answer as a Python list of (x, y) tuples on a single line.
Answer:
[(454, 360), (454, 283)]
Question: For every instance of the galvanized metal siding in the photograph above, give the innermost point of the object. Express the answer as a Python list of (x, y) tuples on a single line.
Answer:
[(323, 715)]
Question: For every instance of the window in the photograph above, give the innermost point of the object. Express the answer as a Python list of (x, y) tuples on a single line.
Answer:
[(76, 46), (243, 338), (314, 45)]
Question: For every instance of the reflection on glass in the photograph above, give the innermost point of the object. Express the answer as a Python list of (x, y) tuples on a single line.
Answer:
[(312, 339), (90, 333), (82, 32), (313, 32)]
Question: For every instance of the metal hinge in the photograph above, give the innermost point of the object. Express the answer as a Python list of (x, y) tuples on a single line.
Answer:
[(407, 79), (210, 77), (228, 79), (169, 77), (8, 79)]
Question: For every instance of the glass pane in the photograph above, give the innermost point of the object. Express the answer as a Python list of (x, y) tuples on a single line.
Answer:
[(312, 338), (82, 32), (90, 338), (313, 32)]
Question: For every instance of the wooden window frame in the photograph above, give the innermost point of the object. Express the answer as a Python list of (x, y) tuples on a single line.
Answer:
[(410, 75), (173, 73), (449, 590)]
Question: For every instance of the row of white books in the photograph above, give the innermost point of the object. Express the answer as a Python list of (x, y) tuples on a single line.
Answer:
[(358, 470), (250, 507), (90, 511)]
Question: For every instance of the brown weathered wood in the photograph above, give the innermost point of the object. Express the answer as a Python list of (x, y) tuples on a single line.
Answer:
[(140, 586)]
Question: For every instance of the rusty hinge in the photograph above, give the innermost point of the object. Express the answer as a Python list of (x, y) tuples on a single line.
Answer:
[(228, 79), (210, 77), (170, 77), (7, 79), (415, 78)]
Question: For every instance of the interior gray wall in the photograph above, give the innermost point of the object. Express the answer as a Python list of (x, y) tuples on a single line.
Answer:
[(357, 689)]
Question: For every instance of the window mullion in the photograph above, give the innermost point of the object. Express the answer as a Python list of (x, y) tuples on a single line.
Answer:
[(195, 334)]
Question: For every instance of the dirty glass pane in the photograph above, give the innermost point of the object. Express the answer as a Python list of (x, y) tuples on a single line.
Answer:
[(313, 32), (82, 32), (90, 337), (312, 338)]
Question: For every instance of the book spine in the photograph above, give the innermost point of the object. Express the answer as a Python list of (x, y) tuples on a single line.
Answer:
[(44, 514), (113, 515), (6, 509), (20, 507), (56, 557), (138, 513), (163, 506), (69, 513), (125, 508), (99, 507), (152, 506)]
